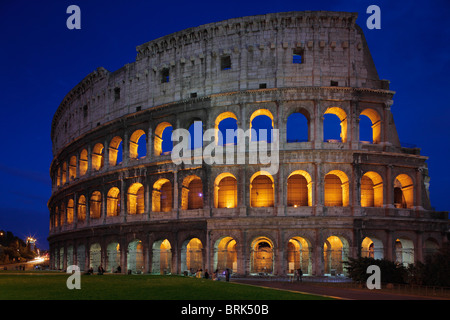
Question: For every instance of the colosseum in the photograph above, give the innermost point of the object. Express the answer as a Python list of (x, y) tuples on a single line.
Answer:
[(119, 199)]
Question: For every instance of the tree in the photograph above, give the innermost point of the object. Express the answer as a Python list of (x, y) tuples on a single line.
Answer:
[(391, 272)]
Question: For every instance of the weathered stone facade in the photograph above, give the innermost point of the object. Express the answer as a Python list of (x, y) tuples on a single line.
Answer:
[(148, 214)]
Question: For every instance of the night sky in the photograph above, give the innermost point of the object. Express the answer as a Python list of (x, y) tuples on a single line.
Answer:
[(41, 60)]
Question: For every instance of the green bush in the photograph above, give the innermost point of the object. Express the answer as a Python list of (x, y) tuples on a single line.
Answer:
[(391, 272)]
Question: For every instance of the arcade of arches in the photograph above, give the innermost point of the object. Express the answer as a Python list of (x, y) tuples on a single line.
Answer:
[(261, 256)]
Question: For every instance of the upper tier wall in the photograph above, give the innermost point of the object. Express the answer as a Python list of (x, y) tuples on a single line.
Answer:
[(332, 48)]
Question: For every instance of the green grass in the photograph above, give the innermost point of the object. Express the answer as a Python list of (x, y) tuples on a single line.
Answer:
[(52, 286)]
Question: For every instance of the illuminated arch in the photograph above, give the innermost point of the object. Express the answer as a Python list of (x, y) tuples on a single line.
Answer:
[(83, 162), (162, 197), (219, 119), (372, 248), (340, 113), (336, 189), (257, 113), (81, 209), (115, 152), (136, 200), (261, 258), (299, 189), (299, 255), (112, 257), (262, 190), (192, 255), (64, 173), (335, 254), (162, 257), (137, 140), (157, 144), (72, 168), (97, 157), (113, 202), (225, 191), (192, 193), (69, 209), (403, 191), (95, 205), (376, 124), (371, 190), (225, 254), (404, 251), (135, 257)]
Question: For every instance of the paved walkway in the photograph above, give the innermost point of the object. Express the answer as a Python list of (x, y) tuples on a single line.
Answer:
[(333, 291)]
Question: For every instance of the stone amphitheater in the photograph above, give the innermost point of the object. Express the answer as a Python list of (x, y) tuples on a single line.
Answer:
[(119, 200)]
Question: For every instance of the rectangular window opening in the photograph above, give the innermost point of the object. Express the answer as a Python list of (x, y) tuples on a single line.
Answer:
[(297, 56), (262, 85), (225, 63), (116, 94), (334, 83), (165, 75)]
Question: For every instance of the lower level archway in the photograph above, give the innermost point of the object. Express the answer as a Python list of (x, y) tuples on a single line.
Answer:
[(299, 256), (261, 256), (162, 257), (135, 257), (335, 253), (192, 255), (225, 255)]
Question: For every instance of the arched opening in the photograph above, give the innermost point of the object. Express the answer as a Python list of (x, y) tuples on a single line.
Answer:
[(261, 121), (336, 189), (192, 193), (113, 202), (81, 209), (135, 257), (225, 255), (196, 135), (299, 189), (403, 191), (83, 162), (98, 157), (163, 139), (335, 125), (297, 127), (112, 257), (136, 200), (225, 121), (95, 256), (262, 259), (162, 196), (299, 255), (58, 177), (335, 253), (370, 126), (162, 257), (192, 256), (64, 173), (404, 251), (115, 151), (261, 190), (225, 187), (371, 190), (372, 248), (138, 144), (70, 211), (95, 205), (72, 168)]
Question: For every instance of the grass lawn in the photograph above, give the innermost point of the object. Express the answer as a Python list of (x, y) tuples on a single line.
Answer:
[(52, 286)]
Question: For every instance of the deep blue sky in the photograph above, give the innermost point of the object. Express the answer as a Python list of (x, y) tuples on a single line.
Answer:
[(41, 60)]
